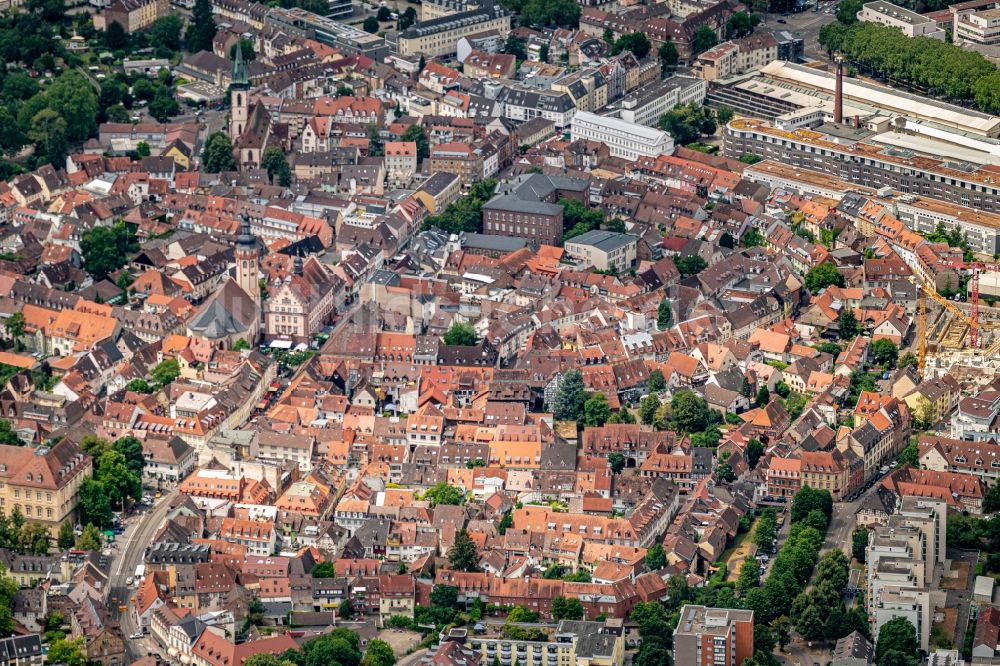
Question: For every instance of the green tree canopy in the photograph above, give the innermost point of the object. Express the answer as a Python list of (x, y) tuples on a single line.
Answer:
[(417, 134), (885, 352), (570, 396), (106, 249), (463, 554), (820, 277), (218, 154), (201, 30), (636, 42), (460, 334), (442, 493), (596, 411), (275, 164), (378, 652), (897, 636)]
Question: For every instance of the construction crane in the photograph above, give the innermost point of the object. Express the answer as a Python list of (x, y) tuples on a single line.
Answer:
[(972, 321), (974, 268)]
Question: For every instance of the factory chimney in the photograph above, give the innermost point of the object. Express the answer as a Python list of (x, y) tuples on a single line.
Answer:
[(838, 96)]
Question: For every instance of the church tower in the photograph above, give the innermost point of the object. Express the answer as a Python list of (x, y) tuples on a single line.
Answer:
[(239, 96), (247, 260)]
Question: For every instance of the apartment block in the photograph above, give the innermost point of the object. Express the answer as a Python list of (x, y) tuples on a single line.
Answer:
[(625, 139), (909, 23), (708, 636), (905, 559)]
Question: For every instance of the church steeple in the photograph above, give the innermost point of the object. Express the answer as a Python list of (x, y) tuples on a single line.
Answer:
[(239, 96), (240, 78), (247, 259)]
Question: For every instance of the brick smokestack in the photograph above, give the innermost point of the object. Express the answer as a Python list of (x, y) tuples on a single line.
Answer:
[(838, 96)]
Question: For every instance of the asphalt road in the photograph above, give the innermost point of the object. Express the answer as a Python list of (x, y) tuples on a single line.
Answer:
[(806, 25), (138, 535)]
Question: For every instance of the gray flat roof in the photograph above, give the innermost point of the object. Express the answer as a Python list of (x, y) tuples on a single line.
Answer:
[(604, 240)]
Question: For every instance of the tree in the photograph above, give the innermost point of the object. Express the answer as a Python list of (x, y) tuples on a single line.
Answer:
[(417, 134), (49, 10), (808, 499), (570, 396), (116, 478), (782, 628), (567, 609), (749, 577), (909, 359), (379, 653), (7, 434), (166, 371), (115, 37), (664, 318), (616, 461), (724, 471), (463, 554), (14, 326), (754, 451), (550, 13), (49, 132), (164, 105), (520, 614), (596, 411), (139, 386), (635, 42), (897, 635), (820, 277), (106, 249), (656, 558), (67, 651), (165, 32), (95, 506), (688, 412), (723, 115), (66, 537), (201, 30), (848, 324), (376, 148), (859, 544), (910, 455), (516, 47), (691, 265), (384, 14), (847, 11), (460, 334), (90, 539), (991, 501), (668, 58), (408, 18), (648, 407), (655, 382), (370, 25), (324, 570), (704, 39), (885, 352), (131, 448), (442, 493), (763, 396), (218, 154), (741, 24), (274, 162), (543, 53), (345, 610)]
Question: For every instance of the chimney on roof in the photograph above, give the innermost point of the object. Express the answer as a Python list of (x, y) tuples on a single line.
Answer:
[(838, 95)]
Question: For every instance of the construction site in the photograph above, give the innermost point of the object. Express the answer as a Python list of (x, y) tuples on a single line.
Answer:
[(958, 333)]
